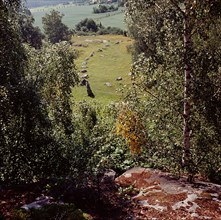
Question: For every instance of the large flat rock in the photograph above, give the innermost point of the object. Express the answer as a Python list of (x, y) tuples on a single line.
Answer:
[(164, 197)]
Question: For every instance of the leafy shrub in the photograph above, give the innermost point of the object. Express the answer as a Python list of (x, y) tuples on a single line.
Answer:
[(95, 145), (54, 29), (110, 30), (158, 71), (32, 145), (30, 34), (87, 25), (48, 212), (129, 125), (104, 8)]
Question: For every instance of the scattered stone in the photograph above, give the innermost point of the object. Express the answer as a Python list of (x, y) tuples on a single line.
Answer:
[(105, 41), (93, 41), (99, 50), (88, 58), (85, 76), (91, 54), (39, 203), (83, 71), (107, 45), (84, 63), (89, 41), (84, 67), (119, 78), (107, 84), (109, 176), (129, 74), (117, 42), (80, 45)]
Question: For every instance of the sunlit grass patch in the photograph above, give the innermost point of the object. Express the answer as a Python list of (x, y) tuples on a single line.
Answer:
[(110, 61)]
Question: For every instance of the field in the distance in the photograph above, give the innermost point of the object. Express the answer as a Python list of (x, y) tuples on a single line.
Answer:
[(73, 14), (40, 3), (110, 60)]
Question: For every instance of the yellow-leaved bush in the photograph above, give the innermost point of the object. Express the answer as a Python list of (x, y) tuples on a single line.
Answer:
[(130, 127)]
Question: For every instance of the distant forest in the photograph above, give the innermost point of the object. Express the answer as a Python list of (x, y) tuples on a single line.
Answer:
[(40, 3)]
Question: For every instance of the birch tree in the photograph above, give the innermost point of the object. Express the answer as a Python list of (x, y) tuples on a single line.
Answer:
[(170, 31)]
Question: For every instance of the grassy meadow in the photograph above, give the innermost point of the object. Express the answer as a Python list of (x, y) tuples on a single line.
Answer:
[(73, 14), (110, 60), (40, 3)]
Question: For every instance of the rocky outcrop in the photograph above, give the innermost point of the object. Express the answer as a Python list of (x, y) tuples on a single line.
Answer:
[(161, 196)]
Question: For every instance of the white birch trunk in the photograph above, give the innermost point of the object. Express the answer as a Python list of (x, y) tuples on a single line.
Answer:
[(187, 86)]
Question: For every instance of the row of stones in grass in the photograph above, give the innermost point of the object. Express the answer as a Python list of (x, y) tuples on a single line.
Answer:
[(85, 62)]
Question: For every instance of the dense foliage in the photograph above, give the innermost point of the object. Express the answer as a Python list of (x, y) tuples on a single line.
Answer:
[(35, 103), (130, 126), (89, 26), (29, 34), (104, 8), (40, 135), (16, 97), (54, 29), (53, 211), (160, 61), (111, 30)]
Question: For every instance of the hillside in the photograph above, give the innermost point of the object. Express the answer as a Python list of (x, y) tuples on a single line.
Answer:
[(40, 3), (104, 59), (73, 14)]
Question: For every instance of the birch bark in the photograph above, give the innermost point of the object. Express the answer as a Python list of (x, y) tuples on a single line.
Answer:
[(187, 85)]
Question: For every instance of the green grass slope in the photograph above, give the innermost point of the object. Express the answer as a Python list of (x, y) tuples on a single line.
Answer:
[(110, 60), (73, 14)]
